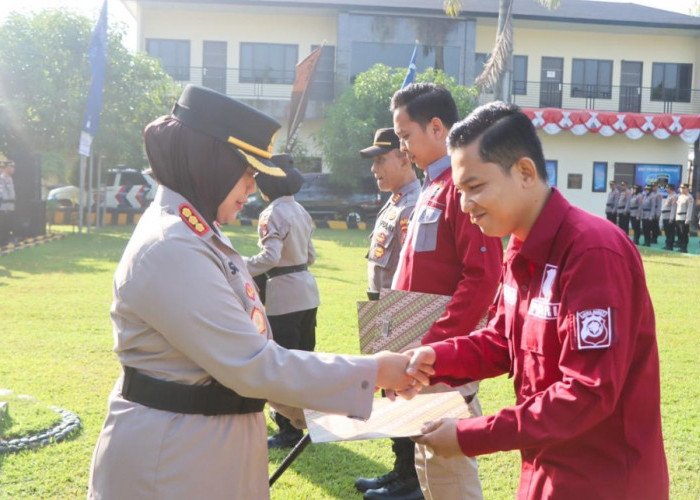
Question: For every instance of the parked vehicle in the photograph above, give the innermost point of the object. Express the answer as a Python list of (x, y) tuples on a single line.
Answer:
[(325, 200), (125, 188)]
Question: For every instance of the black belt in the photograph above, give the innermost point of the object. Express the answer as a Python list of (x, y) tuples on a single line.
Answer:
[(211, 399), (279, 271)]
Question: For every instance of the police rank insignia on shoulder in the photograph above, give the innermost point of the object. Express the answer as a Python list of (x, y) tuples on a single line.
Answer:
[(395, 199), (258, 320), (192, 219)]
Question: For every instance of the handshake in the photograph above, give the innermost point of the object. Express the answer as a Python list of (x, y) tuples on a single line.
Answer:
[(405, 373)]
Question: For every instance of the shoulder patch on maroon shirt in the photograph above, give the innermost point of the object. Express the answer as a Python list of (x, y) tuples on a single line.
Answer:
[(594, 329)]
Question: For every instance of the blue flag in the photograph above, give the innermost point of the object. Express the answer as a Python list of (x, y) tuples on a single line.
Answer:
[(411, 73), (98, 64)]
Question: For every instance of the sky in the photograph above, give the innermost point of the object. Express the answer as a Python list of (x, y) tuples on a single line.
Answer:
[(119, 13)]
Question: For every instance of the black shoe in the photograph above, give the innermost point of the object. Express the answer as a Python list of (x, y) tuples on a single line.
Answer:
[(374, 483), (399, 489), (284, 440)]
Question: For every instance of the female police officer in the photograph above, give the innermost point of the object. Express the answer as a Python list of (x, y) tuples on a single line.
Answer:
[(190, 331)]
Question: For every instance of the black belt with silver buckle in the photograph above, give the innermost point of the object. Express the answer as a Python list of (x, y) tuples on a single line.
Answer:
[(211, 399), (279, 271)]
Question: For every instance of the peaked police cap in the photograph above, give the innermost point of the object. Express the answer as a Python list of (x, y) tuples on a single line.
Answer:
[(384, 141), (250, 133)]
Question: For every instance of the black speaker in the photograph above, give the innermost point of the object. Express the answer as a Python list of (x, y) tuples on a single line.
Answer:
[(30, 219), (27, 177)]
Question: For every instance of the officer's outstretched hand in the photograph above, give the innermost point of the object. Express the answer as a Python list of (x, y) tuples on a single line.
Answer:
[(392, 371), (421, 364), (441, 436)]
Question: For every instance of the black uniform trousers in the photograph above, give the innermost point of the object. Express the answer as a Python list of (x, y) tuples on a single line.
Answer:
[(636, 229), (646, 229), (655, 230), (612, 217), (623, 222), (670, 232), (6, 221), (683, 235), (295, 330)]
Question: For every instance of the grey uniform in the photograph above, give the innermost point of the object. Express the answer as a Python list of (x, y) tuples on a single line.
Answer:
[(284, 231), (185, 309), (388, 236)]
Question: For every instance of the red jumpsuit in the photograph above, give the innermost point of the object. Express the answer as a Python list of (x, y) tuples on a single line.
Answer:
[(575, 329), (445, 253)]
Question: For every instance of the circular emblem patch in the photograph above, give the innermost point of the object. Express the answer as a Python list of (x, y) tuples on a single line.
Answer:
[(258, 319), (378, 252), (250, 291), (380, 238)]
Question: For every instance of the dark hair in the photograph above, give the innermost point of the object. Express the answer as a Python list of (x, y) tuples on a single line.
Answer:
[(197, 166), (506, 134), (425, 101)]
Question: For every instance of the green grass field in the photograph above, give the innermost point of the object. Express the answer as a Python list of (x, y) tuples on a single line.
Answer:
[(56, 341)]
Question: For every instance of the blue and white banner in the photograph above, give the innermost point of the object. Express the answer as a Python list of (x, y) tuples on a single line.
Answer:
[(98, 64)]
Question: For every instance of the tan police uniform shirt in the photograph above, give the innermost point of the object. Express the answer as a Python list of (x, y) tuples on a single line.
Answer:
[(284, 232), (388, 236), (185, 309), (684, 209)]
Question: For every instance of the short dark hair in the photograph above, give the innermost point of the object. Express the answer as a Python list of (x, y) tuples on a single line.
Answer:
[(425, 101), (506, 134), (197, 166)]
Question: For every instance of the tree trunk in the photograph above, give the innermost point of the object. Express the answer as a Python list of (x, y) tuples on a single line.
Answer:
[(503, 88)]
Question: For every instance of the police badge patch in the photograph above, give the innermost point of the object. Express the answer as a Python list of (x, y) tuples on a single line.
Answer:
[(594, 328)]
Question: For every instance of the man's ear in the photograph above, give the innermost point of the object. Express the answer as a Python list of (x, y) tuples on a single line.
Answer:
[(526, 170), (437, 127)]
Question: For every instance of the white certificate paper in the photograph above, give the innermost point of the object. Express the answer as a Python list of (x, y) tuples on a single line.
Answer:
[(400, 418)]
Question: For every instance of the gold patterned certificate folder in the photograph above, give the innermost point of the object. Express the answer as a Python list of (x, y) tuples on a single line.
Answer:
[(397, 319), (400, 418)]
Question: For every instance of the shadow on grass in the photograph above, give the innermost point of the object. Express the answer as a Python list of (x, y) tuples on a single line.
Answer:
[(329, 466), (69, 255)]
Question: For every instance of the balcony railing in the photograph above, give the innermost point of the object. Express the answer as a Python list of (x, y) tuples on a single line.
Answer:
[(615, 98), (253, 83)]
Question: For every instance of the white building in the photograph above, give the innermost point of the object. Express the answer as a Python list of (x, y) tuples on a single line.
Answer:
[(613, 87)]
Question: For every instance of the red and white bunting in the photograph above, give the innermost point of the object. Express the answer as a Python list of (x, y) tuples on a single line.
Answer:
[(605, 123)]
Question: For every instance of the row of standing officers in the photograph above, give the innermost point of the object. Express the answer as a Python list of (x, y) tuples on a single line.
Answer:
[(648, 210)]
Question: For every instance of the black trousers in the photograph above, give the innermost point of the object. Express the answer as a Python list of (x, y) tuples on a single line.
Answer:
[(6, 221), (646, 229), (623, 221), (670, 232), (611, 217), (295, 330), (655, 231), (683, 235), (636, 231)]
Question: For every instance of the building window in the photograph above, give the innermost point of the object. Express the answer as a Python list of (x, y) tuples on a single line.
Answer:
[(268, 62), (173, 54), (322, 87), (671, 82), (398, 55), (591, 78), (519, 72)]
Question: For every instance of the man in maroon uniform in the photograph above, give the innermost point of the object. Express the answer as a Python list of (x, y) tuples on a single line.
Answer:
[(444, 253), (574, 327)]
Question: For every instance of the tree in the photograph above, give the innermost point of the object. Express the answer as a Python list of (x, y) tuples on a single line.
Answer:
[(363, 108), (45, 81), (499, 68)]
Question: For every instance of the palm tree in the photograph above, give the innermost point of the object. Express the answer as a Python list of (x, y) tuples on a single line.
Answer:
[(499, 68)]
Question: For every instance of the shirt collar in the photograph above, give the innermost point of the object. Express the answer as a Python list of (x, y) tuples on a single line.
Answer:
[(538, 245), (410, 187), (437, 168)]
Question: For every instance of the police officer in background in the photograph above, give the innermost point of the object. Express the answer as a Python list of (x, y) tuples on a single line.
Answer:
[(611, 203), (668, 215), (394, 172), (7, 201), (635, 220), (684, 209), (286, 251), (647, 209), (658, 201), (623, 209)]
